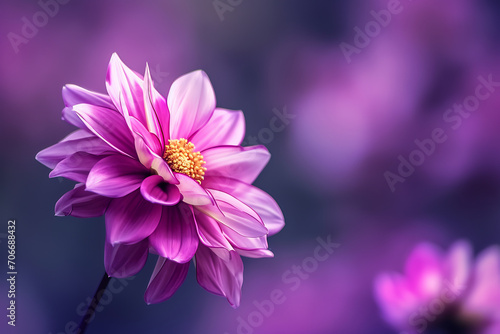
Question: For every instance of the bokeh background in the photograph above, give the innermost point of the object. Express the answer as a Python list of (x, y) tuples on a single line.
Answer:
[(348, 123)]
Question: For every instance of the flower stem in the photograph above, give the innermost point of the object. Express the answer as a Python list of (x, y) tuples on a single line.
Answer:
[(93, 304)]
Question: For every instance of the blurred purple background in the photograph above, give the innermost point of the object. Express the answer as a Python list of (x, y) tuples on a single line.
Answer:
[(349, 120)]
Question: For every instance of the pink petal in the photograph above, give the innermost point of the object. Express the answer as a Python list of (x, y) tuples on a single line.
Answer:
[(484, 294), (76, 167), (457, 265), (265, 206), (395, 299), (78, 141), (79, 134), (157, 114), (69, 115), (175, 237), (150, 139), (425, 272), (81, 203), (243, 242), (210, 232), (124, 84), (131, 218), (236, 162), (218, 276), (108, 125), (235, 215), (191, 101), (153, 161), (156, 190), (125, 260), (138, 129), (166, 279), (73, 95), (255, 254), (192, 192), (116, 176), (223, 254), (225, 127)]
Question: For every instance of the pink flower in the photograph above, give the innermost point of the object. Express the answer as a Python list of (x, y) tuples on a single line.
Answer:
[(443, 293), (170, 177)]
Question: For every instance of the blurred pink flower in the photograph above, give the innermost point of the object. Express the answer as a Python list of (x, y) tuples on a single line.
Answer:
[(447, 293), (367, 112), (354, 112), (170, 177)]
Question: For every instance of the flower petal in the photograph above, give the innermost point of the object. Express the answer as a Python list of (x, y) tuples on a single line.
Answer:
[(484, 294), (79, 134), (192, 192), (156, 190), (191, 101), (131, 218), (69, 115), (241, 163), (395, 299), (73, 95), (225, 127), (150, 139), (124, 84), (243, 242), (210, 233), (138, 129), (116, 176), (166, 279), (153, 161), (255, 254), (218, 276), (458, 264), (76, 167), (81, 203), (77, 141), (260, 201), (108, 125), (125, 260), (175, 237), (155, 106), (234, 214), (425, 271)]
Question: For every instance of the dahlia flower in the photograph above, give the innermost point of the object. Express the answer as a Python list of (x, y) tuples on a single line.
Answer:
[(443, 293), (170, 177)]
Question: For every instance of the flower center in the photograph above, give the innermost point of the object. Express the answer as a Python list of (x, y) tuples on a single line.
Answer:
[(180, 157)]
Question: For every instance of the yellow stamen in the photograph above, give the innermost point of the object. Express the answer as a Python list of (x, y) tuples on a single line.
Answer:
[(180, 157)]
